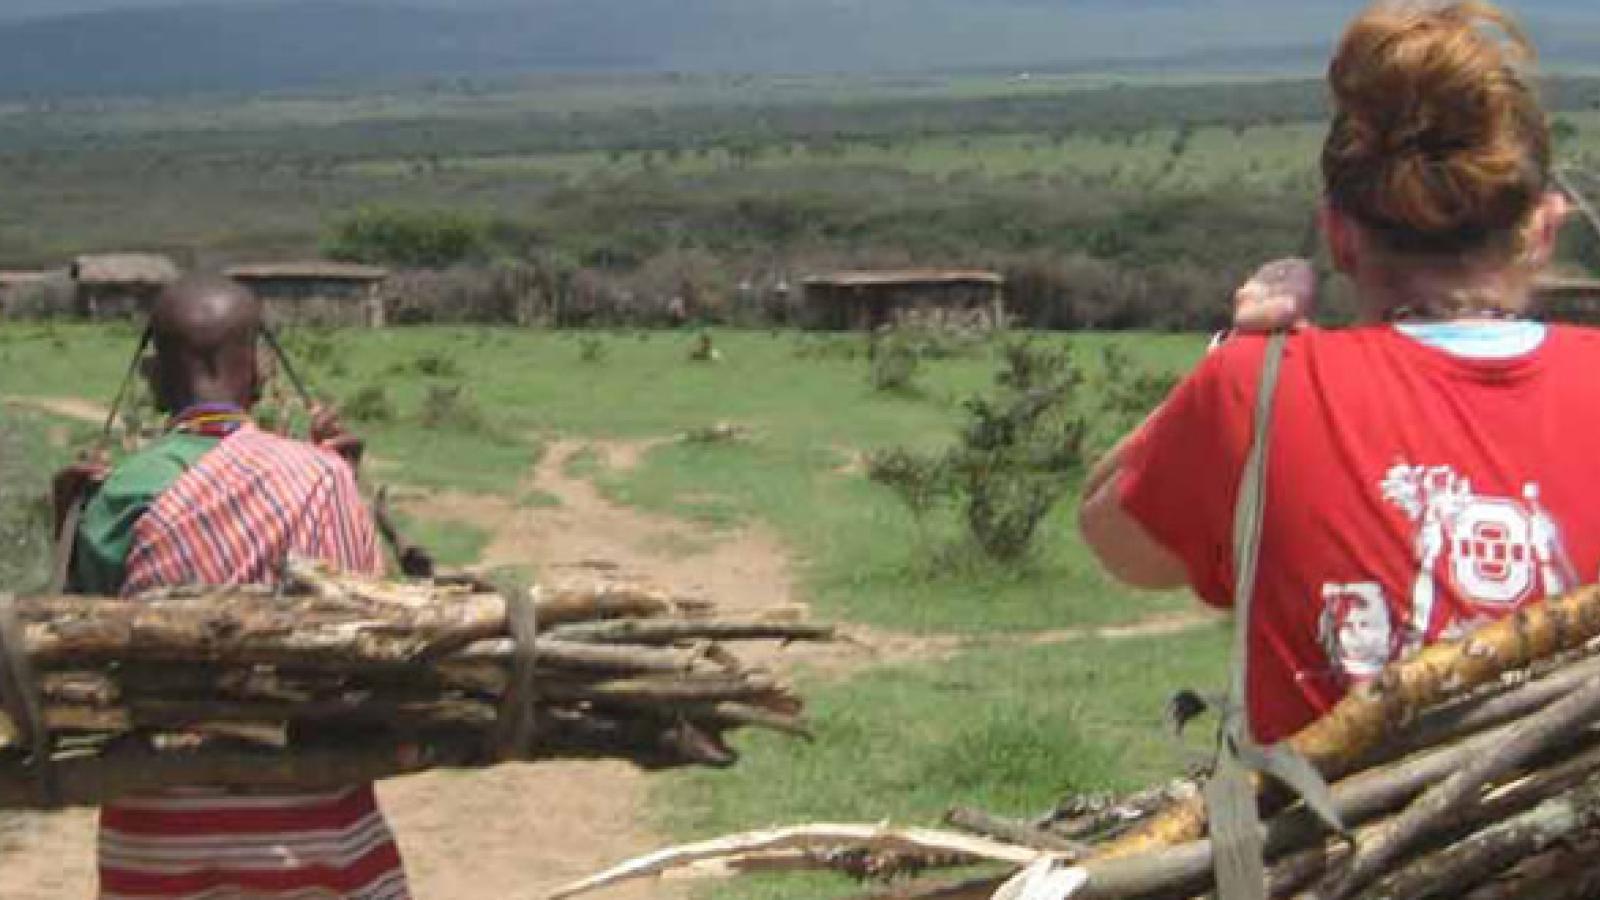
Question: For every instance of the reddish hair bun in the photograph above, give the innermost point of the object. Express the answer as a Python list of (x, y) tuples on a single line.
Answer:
[(1439, 143)]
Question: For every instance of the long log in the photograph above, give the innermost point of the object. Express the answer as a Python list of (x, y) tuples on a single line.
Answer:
[(650, 631), (818, 838), (1472, 715), (129, 768), (1451, 873), (230, 625), (1529, 738), (1011, 831), (166, 715), (1187, 868), (1297, 872), (1403, 690), (1570, 871)]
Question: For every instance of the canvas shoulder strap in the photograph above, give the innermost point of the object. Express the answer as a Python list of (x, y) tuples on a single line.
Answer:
[(1231, 794)]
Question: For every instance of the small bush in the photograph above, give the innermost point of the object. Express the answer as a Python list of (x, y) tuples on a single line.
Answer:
[(826, 348), (893, 365), (592, 350), (920, 480), (1020, 451), (451, 406), (436, 365), (428, 239), (369, 404), (1128, 392)]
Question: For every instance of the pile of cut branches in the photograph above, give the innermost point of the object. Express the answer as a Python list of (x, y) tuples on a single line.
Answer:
[(334, 679), (1471, 770)]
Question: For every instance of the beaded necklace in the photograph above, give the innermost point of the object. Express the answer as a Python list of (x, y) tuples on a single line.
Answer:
[(215, 420)]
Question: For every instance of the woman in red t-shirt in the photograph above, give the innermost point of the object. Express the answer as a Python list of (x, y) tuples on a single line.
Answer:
[(1432, 467)]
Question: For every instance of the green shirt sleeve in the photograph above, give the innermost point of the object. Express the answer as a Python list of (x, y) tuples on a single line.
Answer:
[(105, 532)]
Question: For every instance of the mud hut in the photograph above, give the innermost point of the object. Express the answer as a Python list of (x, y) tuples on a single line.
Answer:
[(868, 300), (112, 285), (1569, 298), (318, 292), (15, 284)]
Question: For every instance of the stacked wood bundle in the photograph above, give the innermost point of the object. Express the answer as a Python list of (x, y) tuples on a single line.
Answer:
[(332, 679), (1471, 770)]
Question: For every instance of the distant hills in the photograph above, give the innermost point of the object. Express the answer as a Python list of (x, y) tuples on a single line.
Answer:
[(205, 46)]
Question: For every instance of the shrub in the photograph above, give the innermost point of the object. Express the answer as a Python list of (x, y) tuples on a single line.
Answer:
[(1128, 392), (920, 480), (592, 349), (451, 406), (1020, 451), (893, 364), (369, 404), (435, 364), (428, 239)]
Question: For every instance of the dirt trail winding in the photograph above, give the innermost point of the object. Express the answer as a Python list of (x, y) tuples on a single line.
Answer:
[(533, 828)]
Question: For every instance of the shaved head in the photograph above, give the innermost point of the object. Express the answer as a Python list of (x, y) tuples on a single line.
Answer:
[(205, 332)]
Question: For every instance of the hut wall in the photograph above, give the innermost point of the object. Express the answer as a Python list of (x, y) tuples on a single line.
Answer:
[(318, 302), (869, 307), (115, 301)]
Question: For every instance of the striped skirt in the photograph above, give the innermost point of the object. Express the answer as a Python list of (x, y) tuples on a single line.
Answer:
[(208, 846)]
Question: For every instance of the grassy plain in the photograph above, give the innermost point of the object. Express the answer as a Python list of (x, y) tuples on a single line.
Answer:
[(612, 171), (1003, 723)]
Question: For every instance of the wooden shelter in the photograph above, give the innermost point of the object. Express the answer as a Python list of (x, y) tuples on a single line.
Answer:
[(13, 283), (120, 284), (1568, 298), (318, 292), (868, 300)]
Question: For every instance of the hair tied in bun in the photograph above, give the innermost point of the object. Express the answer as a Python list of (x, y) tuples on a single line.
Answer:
[(1438, 140)]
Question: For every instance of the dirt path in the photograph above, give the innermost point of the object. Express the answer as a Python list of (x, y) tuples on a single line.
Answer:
[(536, 827), (74, 408)]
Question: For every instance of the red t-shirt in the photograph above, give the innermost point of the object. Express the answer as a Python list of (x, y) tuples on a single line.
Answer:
[(1411, 495)]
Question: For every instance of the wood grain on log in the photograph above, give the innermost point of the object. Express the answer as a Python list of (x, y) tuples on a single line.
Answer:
[(1402, 691)]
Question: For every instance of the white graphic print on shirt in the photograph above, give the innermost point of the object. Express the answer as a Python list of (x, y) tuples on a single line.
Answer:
[(1493, 553)]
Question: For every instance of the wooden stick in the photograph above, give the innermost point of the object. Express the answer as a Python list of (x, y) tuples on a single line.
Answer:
[(647, 631), (1433, 675), (1454, 721), (134, 769), (1570, 871), (1012, 831), (821, 837), (1525, 740), (1187, 868), (1452, 872)]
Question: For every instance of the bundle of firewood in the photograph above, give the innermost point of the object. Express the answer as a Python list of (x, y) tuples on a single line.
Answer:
[(330, 679), (1471, 770)]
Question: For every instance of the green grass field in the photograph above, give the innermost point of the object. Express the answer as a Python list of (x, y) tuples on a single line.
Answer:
[(1004, 725)]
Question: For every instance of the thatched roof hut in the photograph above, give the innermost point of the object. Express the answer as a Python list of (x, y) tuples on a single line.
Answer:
[(120, 284), (124, 270), (14, 283), (869, 299), (317, 291)]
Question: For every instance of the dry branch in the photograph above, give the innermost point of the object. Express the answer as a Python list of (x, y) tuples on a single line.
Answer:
[(1527, 739), (1508, 769), (353, 679), (814, 839), (1436, 674)]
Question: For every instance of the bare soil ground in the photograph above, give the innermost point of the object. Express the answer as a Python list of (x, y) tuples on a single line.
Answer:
[(77, 409), (518, 831)]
